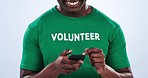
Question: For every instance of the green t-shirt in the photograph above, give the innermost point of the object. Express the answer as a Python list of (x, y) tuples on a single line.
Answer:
[(53, 32)]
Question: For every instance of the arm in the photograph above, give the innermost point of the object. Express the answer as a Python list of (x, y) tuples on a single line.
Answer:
[(27, 73), (120, 73), (97, 60), (43, 74), (61, 66)]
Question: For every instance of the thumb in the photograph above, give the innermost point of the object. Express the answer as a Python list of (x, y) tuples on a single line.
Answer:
[(66, 52), (85, 52)]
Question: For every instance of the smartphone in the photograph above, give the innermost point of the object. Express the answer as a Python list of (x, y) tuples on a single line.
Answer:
[(77, 57)]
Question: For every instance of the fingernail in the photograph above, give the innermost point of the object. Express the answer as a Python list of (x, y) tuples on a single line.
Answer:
[(70, 51), (86, 49), (102, 50), (84, 54), (81, 61)]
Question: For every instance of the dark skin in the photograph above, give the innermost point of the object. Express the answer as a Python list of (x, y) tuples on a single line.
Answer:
[(62, 65), (80, 10), (65, 66), (97, 60)]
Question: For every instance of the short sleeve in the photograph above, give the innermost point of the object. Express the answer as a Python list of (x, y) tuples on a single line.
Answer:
[(117, 56), (31, 56)]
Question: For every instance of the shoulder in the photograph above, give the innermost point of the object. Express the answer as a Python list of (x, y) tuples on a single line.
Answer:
[(42, 19), (105, 20)]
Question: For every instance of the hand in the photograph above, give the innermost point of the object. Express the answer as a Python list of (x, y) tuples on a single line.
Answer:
[(65, 66), (96, 59)]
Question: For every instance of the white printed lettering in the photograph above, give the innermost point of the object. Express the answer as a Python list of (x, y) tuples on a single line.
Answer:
[(86, 36), (82, 34), (75, 36), (60, 36), (54, 36), (97, 36), (65, 37), (70, 38)]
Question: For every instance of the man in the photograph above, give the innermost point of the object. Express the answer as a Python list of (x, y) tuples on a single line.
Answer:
[(73, 27)]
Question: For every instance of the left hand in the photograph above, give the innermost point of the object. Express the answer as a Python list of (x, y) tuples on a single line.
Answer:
[(63, 65), (96, 57)]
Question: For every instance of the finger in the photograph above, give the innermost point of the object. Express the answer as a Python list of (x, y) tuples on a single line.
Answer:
[(85, 51), (73, 62), (67, 71), (65, 60), (77, 66), (97, 55), (66, 68), (94, 50), (76, 62), (80, 62), (97, 60), (99, 64), (69, 67), (66, 52), (72, 67)]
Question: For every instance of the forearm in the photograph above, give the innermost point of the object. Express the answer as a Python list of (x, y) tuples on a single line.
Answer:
[(47, 72), (111, 73)]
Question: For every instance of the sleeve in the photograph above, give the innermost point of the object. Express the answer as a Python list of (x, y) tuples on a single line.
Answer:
[(117, 57), (31, 57)]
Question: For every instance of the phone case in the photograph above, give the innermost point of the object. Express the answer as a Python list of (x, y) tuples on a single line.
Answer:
[(77, 57)]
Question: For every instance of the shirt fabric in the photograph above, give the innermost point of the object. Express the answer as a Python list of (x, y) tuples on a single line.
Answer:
[(52, 33)]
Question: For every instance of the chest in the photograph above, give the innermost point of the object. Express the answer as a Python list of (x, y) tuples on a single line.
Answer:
[(54, 38)]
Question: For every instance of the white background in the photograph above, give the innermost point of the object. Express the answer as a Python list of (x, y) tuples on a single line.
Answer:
[(15, 15)]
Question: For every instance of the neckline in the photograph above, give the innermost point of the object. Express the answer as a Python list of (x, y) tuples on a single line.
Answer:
[(74, 18)]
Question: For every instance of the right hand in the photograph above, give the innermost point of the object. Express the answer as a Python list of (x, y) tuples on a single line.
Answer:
[(63, 65)]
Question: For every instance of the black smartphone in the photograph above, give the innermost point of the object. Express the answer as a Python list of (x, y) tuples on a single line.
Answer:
[(77, 57)]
